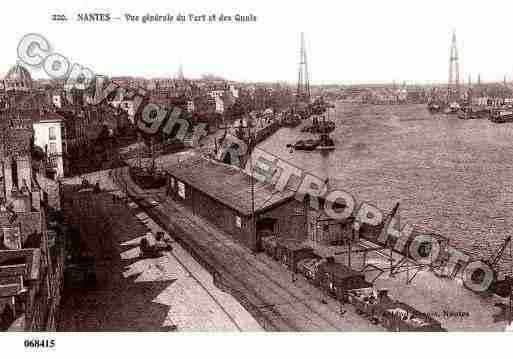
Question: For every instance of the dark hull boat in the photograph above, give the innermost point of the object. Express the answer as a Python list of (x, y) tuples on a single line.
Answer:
[(325, 143), (501, 116), (434, 107), (471, 113), (302, 145), (291, 120), (320, 127), (452, 108)]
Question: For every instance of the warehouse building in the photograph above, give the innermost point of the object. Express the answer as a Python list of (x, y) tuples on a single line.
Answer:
[(222, 194)]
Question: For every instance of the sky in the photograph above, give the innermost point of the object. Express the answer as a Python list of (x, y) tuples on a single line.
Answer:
[(347, 42)]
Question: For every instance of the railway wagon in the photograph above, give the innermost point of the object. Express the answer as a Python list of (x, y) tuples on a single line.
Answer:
[(393, 315), (308, 266), (269, 245), (337, 279), (400, 317), (366, 301), (291, 251)]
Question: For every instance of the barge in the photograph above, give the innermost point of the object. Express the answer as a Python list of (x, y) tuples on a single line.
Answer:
[(501, 115)]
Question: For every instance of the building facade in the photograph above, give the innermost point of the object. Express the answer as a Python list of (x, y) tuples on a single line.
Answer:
[(222, 194), (32, 250), (49, 134)]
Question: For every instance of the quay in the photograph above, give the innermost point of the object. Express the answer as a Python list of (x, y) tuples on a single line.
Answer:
[(258, 128), (215, 232), (261, 285), (134, 293)]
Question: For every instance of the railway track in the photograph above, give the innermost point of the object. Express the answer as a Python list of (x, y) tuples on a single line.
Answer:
[(286, 297), (286, 308), (263, 311)]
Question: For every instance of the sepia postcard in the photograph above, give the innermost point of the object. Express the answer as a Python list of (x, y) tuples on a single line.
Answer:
[(191, 166)]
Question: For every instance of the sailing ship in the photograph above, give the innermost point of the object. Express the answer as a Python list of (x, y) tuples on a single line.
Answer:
[(291, 119), (322, 126), (323, 143), (148, 177)]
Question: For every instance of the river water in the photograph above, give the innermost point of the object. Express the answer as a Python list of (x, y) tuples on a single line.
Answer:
[(451, 176)]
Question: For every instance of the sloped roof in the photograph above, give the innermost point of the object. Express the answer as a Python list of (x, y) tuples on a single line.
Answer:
[(340, 270), (227, 184), (293, 244), (15, 142)]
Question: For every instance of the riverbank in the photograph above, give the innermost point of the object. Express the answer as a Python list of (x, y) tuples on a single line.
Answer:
[(457, 308)]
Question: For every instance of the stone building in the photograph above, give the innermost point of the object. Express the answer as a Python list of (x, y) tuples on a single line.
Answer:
[(17, 184), (17, 79), (32, 248), (50, 135)]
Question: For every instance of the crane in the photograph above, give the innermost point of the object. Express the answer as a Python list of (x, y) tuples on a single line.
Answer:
[(495, 259)]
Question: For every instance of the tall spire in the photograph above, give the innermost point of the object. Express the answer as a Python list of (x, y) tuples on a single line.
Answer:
[(454, 71), (180, 73), (303, 81)]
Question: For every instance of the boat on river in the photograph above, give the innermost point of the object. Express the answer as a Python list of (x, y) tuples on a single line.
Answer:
[(320, 126), (305, 145), (501, 115), (325, 143)]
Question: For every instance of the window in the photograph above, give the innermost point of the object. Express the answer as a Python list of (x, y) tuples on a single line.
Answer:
[(181, 189), (51, 134), (299, 211), (53, 148), (238, 222)]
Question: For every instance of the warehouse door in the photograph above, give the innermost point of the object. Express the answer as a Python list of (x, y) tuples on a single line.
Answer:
[(265, 227)]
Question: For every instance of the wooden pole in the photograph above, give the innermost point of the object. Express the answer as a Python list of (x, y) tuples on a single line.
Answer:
[(13, 303), (407, 270), (349, 247), (252, 183), (391, 262)]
